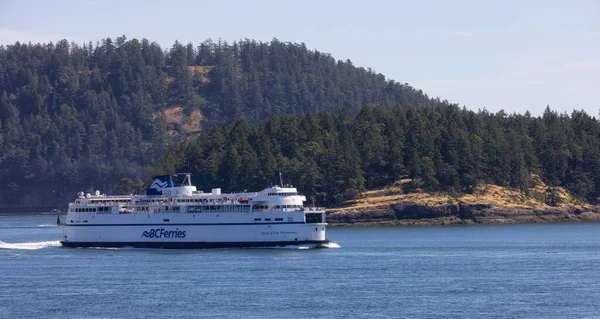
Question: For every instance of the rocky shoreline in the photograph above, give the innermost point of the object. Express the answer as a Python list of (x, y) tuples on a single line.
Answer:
[(453, 214)]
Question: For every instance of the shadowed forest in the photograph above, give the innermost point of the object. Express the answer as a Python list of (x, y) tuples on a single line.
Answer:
[(96, 116)]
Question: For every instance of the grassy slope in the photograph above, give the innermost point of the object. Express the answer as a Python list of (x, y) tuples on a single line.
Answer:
[(488, 204), (180, 124)]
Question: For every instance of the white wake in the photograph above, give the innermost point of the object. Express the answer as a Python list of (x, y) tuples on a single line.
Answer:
[(29, 246), (331, 245), (302, 246), (47, 225)]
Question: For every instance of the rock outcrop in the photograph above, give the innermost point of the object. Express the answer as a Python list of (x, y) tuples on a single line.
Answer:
[(488, 204)]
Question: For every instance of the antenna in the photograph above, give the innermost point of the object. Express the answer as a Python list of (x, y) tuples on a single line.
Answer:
[(280, 179)]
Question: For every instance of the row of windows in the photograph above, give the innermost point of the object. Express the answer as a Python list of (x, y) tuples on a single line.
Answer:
[(218, 208), (192, 200), (203, 201), (283, 194), (278, 219), (109, 201), (153, 200), (237, 208), (160, 209), (191, 209), (91, 209)]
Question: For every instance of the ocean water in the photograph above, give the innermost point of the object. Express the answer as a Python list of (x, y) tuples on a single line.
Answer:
[(515, 271)]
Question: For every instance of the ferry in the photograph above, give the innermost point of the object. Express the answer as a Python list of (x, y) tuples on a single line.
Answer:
[(178, 216)]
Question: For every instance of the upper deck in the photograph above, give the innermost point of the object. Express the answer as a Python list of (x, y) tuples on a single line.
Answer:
[(186, 198)]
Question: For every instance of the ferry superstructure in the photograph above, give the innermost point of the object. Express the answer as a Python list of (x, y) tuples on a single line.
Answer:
[(171, 216)]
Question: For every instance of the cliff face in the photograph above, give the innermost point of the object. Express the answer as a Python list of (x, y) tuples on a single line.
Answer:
[(488, 204)]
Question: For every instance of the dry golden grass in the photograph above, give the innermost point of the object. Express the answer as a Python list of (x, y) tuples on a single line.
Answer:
[(192, 123), (380, 197), (489, 195), (174, 114), (178, 121), (499, 196), (200, 71)]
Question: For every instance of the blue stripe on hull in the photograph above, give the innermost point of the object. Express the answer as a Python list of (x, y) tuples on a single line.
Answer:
[(192, 245), (195, 224)]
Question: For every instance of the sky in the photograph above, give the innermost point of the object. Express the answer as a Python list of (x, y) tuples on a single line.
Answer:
[(508, 55)]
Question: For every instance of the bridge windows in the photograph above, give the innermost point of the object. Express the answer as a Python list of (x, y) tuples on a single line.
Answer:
[(312, 218)]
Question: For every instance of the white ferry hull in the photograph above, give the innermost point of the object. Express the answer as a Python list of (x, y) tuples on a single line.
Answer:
[(197, 245), (189, 232)]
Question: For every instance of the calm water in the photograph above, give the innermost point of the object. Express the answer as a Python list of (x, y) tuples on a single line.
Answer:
[(549, 271)]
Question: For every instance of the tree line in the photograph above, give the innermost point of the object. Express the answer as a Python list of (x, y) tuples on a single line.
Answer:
[(332, 157), (80, 117)]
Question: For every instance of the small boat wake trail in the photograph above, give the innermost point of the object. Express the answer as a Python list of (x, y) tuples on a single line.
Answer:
[(29, 246)]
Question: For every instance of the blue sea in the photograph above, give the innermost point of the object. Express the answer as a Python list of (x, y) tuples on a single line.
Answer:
[(513, 271)]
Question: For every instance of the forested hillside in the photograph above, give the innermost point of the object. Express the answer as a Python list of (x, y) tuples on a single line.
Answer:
[(334, 157), (80, 117)]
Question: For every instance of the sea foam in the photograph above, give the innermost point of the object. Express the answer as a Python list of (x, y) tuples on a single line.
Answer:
[(29, 246)]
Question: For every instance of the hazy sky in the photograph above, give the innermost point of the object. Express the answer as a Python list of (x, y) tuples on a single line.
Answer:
[(511, 55)]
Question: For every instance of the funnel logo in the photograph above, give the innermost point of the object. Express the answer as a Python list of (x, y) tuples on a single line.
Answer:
[(163, 233), (157, 185)]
